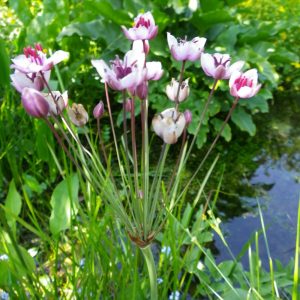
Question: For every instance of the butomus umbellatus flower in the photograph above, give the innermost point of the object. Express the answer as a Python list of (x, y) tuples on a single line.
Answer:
[(183, 50), (35, 60), (244, 85), (143, 28), (218, 65), (57, 101), (172, 90), (122, 74), (169, 125)]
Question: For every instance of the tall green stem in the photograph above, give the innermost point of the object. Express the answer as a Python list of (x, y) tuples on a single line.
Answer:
[(201, 119), (179, 85), (151, 270), (235, 102)]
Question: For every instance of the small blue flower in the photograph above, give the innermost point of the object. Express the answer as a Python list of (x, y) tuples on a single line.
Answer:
[(4, 295), (166, 250), (3, 257), (174, 296)]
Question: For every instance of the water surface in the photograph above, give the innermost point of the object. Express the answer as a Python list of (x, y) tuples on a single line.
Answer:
[(265, 170)]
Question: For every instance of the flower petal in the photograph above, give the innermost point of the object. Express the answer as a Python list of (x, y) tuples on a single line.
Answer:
[(58, 56), (236, 67), (235, 75), (207, 64), (154, 70), (171, 40), (20, 81), (245, 92), (102, 68)]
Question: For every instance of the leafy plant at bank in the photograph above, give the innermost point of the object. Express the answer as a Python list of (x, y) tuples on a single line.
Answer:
[(84, 31)]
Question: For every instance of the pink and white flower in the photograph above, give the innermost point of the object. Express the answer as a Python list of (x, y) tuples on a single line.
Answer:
[(122, 74), (144, 28), (182, 50), (34, 60), (172, 90), (244, 85), (153, 69), (218, 65), (169, 125), (57, 101)]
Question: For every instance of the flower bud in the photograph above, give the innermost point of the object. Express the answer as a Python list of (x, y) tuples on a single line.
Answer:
[(98, 110), (188, 117), (172, 90), (128, 105), (38, 83), (34, 103), (142, 90), (78, 114)]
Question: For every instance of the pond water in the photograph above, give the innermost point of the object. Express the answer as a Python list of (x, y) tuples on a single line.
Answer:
[(264, 169)]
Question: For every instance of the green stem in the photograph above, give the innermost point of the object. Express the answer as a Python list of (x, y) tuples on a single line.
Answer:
[(179, 85), (201, 119), (151, 270), (211, 146)]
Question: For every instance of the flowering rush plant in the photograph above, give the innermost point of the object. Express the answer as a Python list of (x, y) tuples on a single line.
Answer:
[(140, 201)]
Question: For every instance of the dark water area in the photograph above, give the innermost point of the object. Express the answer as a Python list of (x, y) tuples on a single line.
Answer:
[(264, 169)]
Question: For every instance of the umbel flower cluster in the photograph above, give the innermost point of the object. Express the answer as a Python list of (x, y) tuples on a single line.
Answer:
[(139, 205), (140, 201)]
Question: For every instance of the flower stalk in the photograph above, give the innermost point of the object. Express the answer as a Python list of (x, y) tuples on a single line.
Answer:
[(151, 270), (179, 85)]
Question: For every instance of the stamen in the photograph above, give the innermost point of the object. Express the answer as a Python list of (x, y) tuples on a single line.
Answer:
[(38, 47), (225, 62), (216, 61), (241, 82), (142, 22)]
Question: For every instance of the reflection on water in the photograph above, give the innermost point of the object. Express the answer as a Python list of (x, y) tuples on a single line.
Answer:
[(268, 171)]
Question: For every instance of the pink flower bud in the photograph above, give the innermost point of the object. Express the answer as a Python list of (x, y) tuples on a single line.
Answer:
[(142, 90), (38, 83), (34, 103), (128, 105), (188, 117), (98, 110)]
